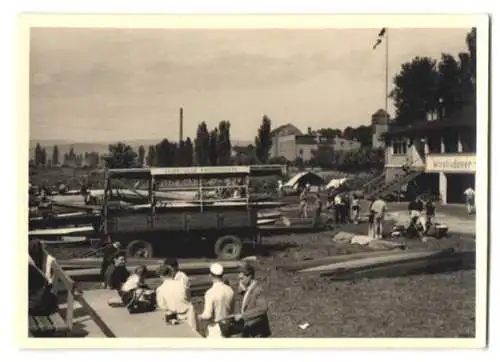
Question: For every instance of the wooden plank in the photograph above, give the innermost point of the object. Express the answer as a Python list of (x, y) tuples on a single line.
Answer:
[(189, 267), (119, 322), (304, 264), (58, 322), (366, 263), (32, 325), (430, 265), (44, 324), (61, 231)]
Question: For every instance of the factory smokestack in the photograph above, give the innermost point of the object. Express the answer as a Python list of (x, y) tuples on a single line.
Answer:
[(181, 124)]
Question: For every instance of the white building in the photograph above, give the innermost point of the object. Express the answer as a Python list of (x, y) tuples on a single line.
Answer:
[(442, 150)]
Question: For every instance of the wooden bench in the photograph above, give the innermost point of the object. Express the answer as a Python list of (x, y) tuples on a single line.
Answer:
[(118, 322), (59, 324)]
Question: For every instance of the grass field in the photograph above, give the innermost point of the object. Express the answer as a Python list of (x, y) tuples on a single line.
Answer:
[(432, 305)]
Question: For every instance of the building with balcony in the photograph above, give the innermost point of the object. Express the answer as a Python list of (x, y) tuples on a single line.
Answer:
[(442, 150), (289, 142)]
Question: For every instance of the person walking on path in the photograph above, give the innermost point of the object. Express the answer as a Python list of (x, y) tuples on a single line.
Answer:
[(469, 199)]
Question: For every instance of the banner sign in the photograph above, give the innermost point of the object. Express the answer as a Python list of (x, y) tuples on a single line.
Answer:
[(451, 163)]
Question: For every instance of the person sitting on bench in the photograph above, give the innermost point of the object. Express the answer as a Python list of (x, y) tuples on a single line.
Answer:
[(117, 274), (136, 294), (172, 297)]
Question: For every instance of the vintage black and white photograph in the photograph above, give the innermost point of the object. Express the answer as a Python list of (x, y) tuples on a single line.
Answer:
[(257, 182)]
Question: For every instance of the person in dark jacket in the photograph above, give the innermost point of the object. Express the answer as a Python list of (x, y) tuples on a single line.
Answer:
[(254, 305), (117, 274), (109, 251)]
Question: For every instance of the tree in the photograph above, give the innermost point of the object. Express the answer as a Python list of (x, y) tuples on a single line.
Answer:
[(263, 141), (323, 156), (471, 46), (120, 155), (449, 87), (224, 143), (151, 158), (141, 152), (202, 145), (330, 132), (43, 157), (188, 152), (38, 157), (212, 149), (55, 156), (163, 152), (416, 89)]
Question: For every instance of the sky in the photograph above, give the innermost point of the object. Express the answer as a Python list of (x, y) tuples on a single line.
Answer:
[(99, 85)]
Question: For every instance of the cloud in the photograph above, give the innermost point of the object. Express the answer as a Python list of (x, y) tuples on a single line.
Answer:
[(124, 83)]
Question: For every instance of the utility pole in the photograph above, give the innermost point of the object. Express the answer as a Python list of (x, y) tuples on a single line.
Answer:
[(386, 69), (181, 124)]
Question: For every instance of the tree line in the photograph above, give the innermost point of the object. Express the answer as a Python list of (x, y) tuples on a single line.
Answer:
[(69, 159)]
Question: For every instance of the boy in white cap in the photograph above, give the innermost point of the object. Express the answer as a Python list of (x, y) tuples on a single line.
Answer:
[(219, 302)]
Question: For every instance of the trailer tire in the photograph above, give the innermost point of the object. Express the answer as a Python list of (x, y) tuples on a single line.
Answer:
[(228, 247), (140, 249)]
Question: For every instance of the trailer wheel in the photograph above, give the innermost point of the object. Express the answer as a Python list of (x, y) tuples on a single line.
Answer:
[(140, 249), (228, 247)]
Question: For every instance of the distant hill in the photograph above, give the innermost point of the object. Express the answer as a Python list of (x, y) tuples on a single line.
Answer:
[(100, 147)]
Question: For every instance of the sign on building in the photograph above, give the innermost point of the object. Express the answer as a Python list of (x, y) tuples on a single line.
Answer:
[(451, 163)]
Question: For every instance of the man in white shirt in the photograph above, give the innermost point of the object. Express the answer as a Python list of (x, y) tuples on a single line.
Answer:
[(172, 296), (178, 274), (469, 199), (378, 208), (219, 302)]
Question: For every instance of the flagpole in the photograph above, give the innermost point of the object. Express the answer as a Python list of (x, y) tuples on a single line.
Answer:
[(386, 69)]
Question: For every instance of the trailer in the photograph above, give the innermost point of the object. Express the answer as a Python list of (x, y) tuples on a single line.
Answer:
[(216, 206)]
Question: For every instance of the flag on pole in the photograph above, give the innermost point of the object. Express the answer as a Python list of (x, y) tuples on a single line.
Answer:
[(380, 37)]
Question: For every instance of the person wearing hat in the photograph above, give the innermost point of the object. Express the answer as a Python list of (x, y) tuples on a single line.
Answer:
[(172, 297), (219, 302), (254, 305)]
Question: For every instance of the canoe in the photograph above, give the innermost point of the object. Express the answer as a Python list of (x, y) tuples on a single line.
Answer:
[(422, 266), (377, 261), (62, 231), (304, 264)]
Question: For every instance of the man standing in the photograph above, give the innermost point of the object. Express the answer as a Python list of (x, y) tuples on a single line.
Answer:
[(254, 305), (337, 204), (219, 302), (379, 208), (469, 199), (303, 201), (172, 297)]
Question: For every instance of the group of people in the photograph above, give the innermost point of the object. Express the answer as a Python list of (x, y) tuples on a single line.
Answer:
[(220, 317), (344, 205)]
